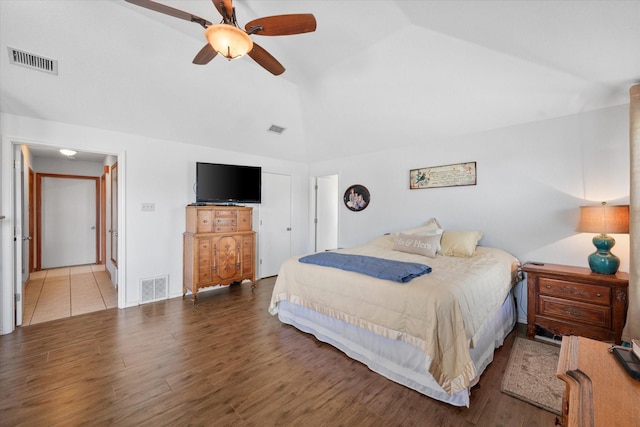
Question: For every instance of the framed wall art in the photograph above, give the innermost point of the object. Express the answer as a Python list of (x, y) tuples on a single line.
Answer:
[(443, 176), (356, 198)]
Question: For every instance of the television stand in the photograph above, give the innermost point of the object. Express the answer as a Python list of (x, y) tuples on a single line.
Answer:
[(219, 247)]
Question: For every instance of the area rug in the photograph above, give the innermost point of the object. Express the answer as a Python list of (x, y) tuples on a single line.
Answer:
[(531, 375)]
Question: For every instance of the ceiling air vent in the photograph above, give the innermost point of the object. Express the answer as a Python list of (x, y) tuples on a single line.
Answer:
[(35, 62), (276, 129)]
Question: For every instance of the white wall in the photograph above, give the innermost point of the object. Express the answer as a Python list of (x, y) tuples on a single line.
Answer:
[(66, 166), (531, 179), (162, 172)]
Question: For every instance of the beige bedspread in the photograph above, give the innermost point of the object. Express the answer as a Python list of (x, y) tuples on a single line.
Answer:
[(440, 312)]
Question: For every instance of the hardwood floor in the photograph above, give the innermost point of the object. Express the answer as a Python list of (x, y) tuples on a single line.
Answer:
[(223, 362)]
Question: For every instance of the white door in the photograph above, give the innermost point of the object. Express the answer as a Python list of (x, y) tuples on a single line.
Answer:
[(326, 221), (19, 270), (275, 223), (68, 221)]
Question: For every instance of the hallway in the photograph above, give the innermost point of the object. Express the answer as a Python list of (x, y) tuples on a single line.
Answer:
[(68, 291)]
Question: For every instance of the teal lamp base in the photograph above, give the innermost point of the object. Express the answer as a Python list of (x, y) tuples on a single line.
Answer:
[(603, 261)]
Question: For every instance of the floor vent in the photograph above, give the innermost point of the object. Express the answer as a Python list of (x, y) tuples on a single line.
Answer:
[(154, 289), (33, 61)]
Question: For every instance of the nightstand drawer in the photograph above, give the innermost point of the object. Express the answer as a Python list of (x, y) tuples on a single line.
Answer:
[(574, 311), (574, 291)]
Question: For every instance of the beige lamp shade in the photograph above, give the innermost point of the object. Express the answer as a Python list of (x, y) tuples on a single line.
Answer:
[(228, 40), (604, 219)]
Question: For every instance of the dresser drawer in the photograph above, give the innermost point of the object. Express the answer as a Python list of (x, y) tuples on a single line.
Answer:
[(205, 221), (225, 221), (574, 311), (225, 224), (226, 213), (204, 260), (244, 220), (574, 291)]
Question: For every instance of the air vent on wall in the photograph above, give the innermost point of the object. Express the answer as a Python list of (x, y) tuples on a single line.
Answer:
[(154, 289), (276, 129), (33, 61)]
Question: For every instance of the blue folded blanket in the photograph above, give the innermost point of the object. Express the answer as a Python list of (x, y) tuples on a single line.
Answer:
[(398, 271)]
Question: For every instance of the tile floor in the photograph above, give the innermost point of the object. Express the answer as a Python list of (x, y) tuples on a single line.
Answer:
[(65, 292)]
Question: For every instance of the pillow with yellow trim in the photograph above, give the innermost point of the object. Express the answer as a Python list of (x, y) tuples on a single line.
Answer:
[(417, 244), (459, 243)]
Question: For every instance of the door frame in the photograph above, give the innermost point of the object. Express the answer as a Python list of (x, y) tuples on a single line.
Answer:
[(39, 177), (103, 215), (32, 218), (8, 192), (320, 206)]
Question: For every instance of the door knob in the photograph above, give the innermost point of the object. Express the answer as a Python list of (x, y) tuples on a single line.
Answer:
[(93, 227), (288, 228)]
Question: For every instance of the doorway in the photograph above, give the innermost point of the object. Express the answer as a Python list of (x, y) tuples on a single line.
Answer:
[(326, 213), (78, 265), (68, 220), (275, 223)]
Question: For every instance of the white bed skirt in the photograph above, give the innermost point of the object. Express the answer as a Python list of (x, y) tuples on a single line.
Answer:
[(397, 360)]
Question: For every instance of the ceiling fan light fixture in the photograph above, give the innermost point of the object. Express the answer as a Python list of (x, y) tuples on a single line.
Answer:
[(228, 40)]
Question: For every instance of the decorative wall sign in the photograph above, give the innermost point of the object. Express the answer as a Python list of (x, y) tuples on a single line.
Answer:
[(443, 176), (356, 198)]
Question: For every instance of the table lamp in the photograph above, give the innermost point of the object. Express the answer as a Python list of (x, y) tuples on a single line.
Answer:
[(604, 219)]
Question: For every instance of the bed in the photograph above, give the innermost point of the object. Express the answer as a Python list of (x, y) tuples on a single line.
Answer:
[(435, 333)]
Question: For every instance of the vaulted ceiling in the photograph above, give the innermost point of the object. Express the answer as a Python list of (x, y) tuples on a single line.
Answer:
[(374, 74)]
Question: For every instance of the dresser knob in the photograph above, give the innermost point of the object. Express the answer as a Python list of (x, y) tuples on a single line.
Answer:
[(598, 294), (548, 286)]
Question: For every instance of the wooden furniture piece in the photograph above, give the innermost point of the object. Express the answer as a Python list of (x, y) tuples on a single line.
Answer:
[(599, 390), (568, 300), (219, 247)]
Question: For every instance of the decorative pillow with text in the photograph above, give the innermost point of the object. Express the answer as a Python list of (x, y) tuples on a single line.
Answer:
[(417, 244)]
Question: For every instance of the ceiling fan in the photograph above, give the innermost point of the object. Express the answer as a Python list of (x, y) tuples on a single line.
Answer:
[(229, 40)]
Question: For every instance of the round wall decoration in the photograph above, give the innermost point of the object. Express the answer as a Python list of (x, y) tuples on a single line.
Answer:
[(356, 198)]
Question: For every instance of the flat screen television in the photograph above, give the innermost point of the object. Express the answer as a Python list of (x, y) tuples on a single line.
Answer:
[(228, 184)]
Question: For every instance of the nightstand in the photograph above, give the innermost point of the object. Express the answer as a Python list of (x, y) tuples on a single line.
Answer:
[(567, 300)]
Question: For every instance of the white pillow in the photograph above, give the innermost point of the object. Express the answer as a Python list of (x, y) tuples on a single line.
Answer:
[(426, 245), (430, 228)]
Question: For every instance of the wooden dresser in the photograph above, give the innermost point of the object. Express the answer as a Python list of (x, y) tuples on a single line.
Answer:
[(568, 300), (219, 247), (599, 390)]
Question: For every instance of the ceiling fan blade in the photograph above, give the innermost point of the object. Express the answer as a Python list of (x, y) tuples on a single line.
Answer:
[(167, 10), (206, 54), (282, 25), (225, 7), (265, 60)]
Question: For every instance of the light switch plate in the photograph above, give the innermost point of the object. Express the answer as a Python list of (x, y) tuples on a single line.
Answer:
[(148, 207)]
